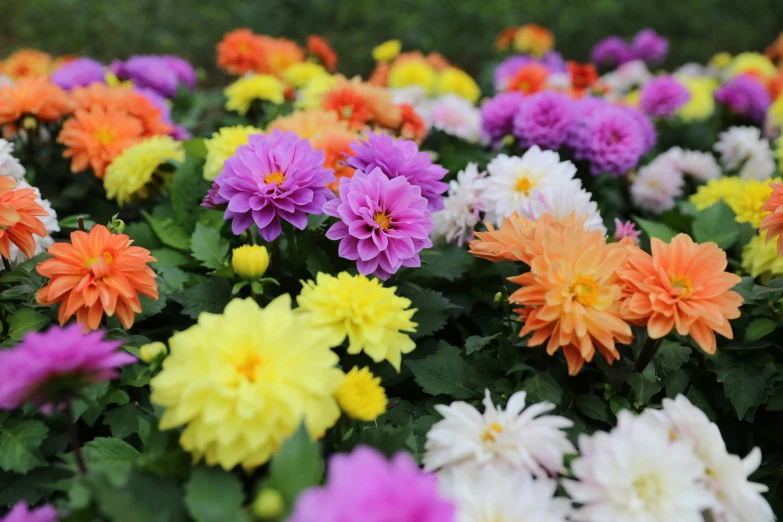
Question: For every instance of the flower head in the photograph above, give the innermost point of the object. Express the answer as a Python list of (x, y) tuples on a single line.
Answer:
[(275, 176), (612, 140), (772, 223), (21, 513), (33, 96), (626, 230), (9, 164), (240, 51), (320, 48), (250, 261), (78, 73), (361, 395), (457, 117), (413, 71), (744, 149), (656, 185), (701, 104), (300, 74), (456, 81), (561, 202), (26, 63), (663, 96), (718, 189), (96, 273), (387, 51), (497, 115), (19, 218), (222, 145), (161, 74), (42, 243), (132, 174), (462, 207), (258, 87), (649, 46), (152, 352), (543, 119), (761, 258), (137, 104), (349, 101), (529, 79), (243, 381), (611, 52), (746, 96), (748, 202)]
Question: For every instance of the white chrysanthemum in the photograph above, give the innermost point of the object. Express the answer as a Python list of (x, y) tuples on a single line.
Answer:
[(461, 207), (9, 165), (656, 185), (636, 473), (49, 221), (561, 202), (627, 77), (456, 116), (726, 475), (525, 439), (699, 165), (502, 494), (512, 180), (745, 149)]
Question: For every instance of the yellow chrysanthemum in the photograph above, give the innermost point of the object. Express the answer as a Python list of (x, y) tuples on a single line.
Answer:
[(751, 63), (760, 258), (775, 114), (746, 202), (222, 145), (248, 89), (701, 104), (300, 74), (387, 51), (311, 96), (720, 60), (361, 395), (457, 81), (719, 189), (371, 316), (412, 72), (136, 172), (243, 381)]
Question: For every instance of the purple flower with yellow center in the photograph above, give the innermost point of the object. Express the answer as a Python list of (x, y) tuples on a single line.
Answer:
[(497, 115), (544, 119), (384, 223), (613, 141), (274, 176), (662, 96), (744, 95), (649, 46), (50, 368), (21, 513), (399, 157), (79, 73)]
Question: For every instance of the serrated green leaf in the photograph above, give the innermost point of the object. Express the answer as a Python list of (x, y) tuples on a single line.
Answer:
[(448, 262), (593, 407), (716, 224), (432, 310), (25, 320), (214, 495), (644, 386), (474, 343), (168, 256), (207, 246), (114, 457), (744, 379), (211, 296), (443, 374), (122, 421), (142, 235), (759, 328), (19, 445), (653, 229), (166, 228), (543, 387), (187, 191), (676, 382), (36, 485), (171, 279), (143, 498), (670, 356), (618, 403)]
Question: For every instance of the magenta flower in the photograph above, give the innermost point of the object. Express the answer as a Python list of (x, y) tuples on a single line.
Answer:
[(273, 177), (662, 96), (49, 368), (583, 109), (613, 141), (648, 129), (611, 52), (544, 119), (162, 74), (649, 46), (183, 69), (497, 115), (626, 229), (399, 157), (21, 513), (388, 490), (746, 96), (79, 73), (384, 223)]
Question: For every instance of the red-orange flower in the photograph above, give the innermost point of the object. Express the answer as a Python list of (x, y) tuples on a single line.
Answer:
[(772, 223), (93, 139), (412, 126), (683, 285), (124, 99), (350, 104), (319, 47), (96, 273), (25, 63), (583, 76), (19, 214), (241, 51), (336, 146), (279, 55), (529, 79), (505, 37), (33, 96), (380, 75)]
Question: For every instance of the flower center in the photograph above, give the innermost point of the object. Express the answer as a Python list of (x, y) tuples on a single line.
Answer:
[(585, 290), (648, 488), (382, 220), (104, 136), (346, 111), (492, 431), (249, 367), (275, 177), (92, 260), (681, 286), (243, 48), (523, 183)]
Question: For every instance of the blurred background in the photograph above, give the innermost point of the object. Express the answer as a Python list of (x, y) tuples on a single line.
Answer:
[(462, 30)]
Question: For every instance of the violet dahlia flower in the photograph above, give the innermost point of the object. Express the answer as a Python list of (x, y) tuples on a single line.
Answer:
[(626, 229), (149, 71), (79, 73), (746, 96), (544, 119), (21, 513), (613, 141), (649, 46), (611, 52), (662, 96), (497, 115), (183, 69)]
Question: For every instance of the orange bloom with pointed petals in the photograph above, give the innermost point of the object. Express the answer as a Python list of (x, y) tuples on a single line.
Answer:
[(319, 47), (93, 139), (123, 98), (682, 285), (350, 104), (384, 112), (19, 213), (33, 96), (529, 79), (380, 75), (772, 223), (240, 52), (280, 54), (26, 63), (516, 239), (96, 273), (412, 126)]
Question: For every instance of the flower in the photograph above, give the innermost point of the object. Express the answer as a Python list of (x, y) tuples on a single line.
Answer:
[(373, 318), (655, 187), (649, 46), (243, 381), (414, 128), (626, 230), (543, 120), (33, 96), (746, 96), (243, 92), (497, 115), (748, 201), (774, 119), (300, 74), (133, 172), (456, 81), (635, 472), (701, 104), (17, 256), (78, 73), (139, 105), (250, 261), (612, 140), (462, 207), (412, 72), (512, 179), (349, 102), (275, 176), (152, 351), (743, 148), (240, 51), (506, 243), (361, 395), (663, 96), (684, 285), (161, 74), (50, 368), (533, 39), (457, 117), (183, 69), (611, 52), (387, 51), (718, 189), (388, 490), (399, 157), (561, 202), (9, 165), (699, 165), (772, 223), (751, 63), (319, 47), (96, 273), (21, 513), (761, 258), (529, 79), (19, 218), (269, 503), (26, 63), (279, 55), (222, 145), (518, 437), (582, 76)]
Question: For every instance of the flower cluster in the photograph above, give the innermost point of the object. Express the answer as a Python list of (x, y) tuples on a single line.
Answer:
[(647, 46)]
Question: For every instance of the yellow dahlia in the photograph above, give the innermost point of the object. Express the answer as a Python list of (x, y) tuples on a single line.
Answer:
[(746, 202), (719, 189), (760, 258), (387, 51), (243, 92), (412, 72), (361, 395), (243, 381), (312, 94), (222, 145), (701, 104), (751, 63), (300, 74), (372, 317), (250, 261), (457, 81)]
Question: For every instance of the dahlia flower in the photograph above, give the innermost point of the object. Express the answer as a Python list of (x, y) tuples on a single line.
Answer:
[(748, 202), (456, 81), (361, 395), (655, 187), (78, 73), (131, 175), (509, 68), (663, 96), (300, 74), (319, 47), (626, 230), (258, 87), (627, 77), (745, 149), (699, 165), (456, 116), (414, 71), (611, 52), (701, 104), (42, 243), (162, 74), (718, 189), (9, 164), (462, 207), (543, 119), (506, 243), (21, 513), (561, 202), (649, 46), (497, 115), (612, 141), (772, 223), (135, 103), (19, 218), (746, 96), (240, 51), (387, 51), (34, 96), (26, 63), (529, 79), (760, 258), (222, 145)]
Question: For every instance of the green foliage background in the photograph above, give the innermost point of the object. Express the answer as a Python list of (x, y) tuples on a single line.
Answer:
[(463, 30)]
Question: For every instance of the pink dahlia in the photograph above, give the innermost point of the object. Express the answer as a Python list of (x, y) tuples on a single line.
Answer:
[(399, 157), (384, 223), (497, 115), (746, 96), (48, 368), (21, 513), (275, 176), (544, 119), (388, 490), (626, 229), (612, 141), (662, 96)]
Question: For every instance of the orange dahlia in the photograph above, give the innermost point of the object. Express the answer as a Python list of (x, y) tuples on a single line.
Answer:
[(25, 63), (505, 243), (123, 98), (32, 96), (240, 52), (280, 54), (308, 123), (583, 76), (384, 112), (93, 139), (96, 273), (319, 47), (350, 104), (19, 214), (682, 285), (772, 223), (380, 75), (529, 79), (336, 146), (412, 126)]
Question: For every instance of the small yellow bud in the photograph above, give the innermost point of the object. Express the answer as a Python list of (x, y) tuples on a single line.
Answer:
[(268, 504), (150, 352), (387, 51), (250, 261)]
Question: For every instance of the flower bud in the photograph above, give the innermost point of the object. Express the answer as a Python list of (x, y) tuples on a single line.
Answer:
[(250, 261), (268, 504), (150, 352), (116, 225), (498, 298)]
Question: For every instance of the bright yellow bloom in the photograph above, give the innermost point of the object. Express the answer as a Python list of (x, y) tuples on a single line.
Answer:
[(719, 189), (222, 145), (775, 114), (387, 51), (751, 63), (250, 261), (720, 60), (300, 74), (457, 81), (746, 202), (412, 72), (311, 96), (361, 395), (760, 258), (113, 81), (701, 104), (150, 352), (243, 381), (248, 89), (133, 173), (534, 39), (371, 316), (632, 98)]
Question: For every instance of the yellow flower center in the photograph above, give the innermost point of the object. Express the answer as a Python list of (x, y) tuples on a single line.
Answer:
[(382, 220), (275, 177), (585, 290), (523, 183), (92, 260), (492, 431), (249, 366), (648, 489), (104, 136), (243, 48), (681, 286)]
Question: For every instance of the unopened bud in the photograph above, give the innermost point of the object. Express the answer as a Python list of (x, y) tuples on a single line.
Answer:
[(150, 352), (116, 225), (498, 298), (250, 261), (268, 504)]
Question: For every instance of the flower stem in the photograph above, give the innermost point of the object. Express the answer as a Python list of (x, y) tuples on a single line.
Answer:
[(250, 238), (81, 223), (649, 350), (6, 264), (76, 443)]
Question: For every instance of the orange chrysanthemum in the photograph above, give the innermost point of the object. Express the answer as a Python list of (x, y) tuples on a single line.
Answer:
[(240, 52), (319, 47), (94, 138), (96, 273), (26, 63), (412, 126), (772, 223), (683, 285), (280, 54), (583, 76), (529, 79), (308, 123), (350, 104), (19, 214), (123, 98), (384, 112), (33, 96)]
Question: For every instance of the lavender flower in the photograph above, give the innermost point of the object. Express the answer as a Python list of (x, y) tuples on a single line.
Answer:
[(746, 96), (497, 115), (662, 96), (613, 141), (611, 52), (649, 46), (79, 73), (543, 119)]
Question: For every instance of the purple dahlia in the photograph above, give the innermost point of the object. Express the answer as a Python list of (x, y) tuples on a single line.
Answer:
[(746, 96), (544, 119), (613, 141), (497, 115), (611, 52), (662, 96), (79, 73), (649, 46)]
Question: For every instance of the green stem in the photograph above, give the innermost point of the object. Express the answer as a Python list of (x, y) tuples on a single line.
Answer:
[(649, 350), (73, 434)]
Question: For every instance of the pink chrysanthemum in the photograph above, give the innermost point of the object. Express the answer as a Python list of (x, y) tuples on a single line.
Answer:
[(21, 513)]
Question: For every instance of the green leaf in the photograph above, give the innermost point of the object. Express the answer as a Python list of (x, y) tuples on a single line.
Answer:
[(474, 343), (122, 421), (387, 439), (168, 256), (775, 402), (676, 382), (432, 310), (207, 246), (150, 307), (716, 224), (449, 262), (211, 296), (593, 407), (653, 229), (644, 386), (19, 445), (72, 222), (543, 387), (25, 320), (171, 279), (443, 374), (671, 356), (166, 228), (143, 498), (214, 495), (759, 328), (32, 487), (187, 191), (114, 457), (772, 292), (699, 400), (297, 466), (744, 379), (142, 235), (618, 403)]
